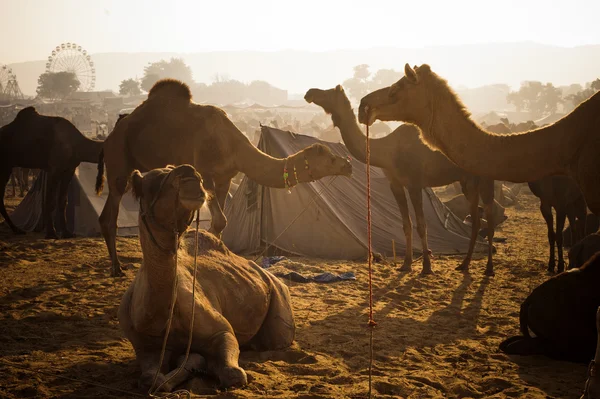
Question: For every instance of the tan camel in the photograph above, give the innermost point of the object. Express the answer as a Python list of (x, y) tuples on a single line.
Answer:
[(236, 302), (407, 162), (592, 386), (49, 143), (168, 128), (570, 146)]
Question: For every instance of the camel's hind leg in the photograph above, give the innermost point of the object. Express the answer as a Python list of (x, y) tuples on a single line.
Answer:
[(471, 192), (5, 173), (547, 214), (560, 224), (63, 188), (486, 191), (400, 196), (278, 328), (416, 197), (108, 221)]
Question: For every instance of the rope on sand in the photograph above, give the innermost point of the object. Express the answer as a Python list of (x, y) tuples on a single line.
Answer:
[(371, 322)]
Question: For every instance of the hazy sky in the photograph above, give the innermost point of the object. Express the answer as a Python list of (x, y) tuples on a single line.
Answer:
[(32, 28)]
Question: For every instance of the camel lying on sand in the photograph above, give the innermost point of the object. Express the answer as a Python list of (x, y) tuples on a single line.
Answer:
[(592, 386), (236, 302), (562, 194), (407, 162), (169, 129), (49, 143), (570, 146), (561, 313), (584, 250)]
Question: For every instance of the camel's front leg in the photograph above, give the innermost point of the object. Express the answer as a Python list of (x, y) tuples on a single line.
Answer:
[(400, 196), (224, 352), (416, 197), (108, 221), (148, 362), (179, 376), (472, 194), (218, 219), (487, 195)]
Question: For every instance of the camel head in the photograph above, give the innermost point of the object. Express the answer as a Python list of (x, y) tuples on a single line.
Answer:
[(168, 197), (403, 101), (320, 161), (330, 100), (592, 386)]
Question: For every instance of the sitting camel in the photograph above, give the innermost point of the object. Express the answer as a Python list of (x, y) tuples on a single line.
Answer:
[(584, 250), (569, 146), (407, 162), (236, 302), (592, 386), (49, 143), (561, 313), (168, 128), (562, 194)]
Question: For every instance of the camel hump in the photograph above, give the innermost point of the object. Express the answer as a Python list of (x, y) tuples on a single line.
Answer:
[(26, 113), (172, 89)]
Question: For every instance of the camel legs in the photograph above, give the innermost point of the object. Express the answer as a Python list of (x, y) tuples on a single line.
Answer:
[(416, 197), (108, 221), (560, 224), (63, 189), (13, 182), (224, 353), (547, 214), (400, 195), (4, 176), (472, 194), (486, 192), (218, 220)]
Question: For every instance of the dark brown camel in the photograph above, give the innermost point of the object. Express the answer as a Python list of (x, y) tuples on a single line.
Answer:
[(49, 143), (561, 312), (592, 385), (562, 194)]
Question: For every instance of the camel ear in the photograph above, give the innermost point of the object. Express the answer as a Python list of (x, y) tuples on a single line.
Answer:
[(339, 88), (410, 74), (136, 184)]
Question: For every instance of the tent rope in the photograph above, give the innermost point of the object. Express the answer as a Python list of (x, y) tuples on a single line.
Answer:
[(371, 322), (297, 217)]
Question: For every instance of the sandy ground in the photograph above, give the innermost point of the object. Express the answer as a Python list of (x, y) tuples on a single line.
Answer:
[(437, 336)]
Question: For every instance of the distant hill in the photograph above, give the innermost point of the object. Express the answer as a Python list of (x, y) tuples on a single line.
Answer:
[(297, 71)]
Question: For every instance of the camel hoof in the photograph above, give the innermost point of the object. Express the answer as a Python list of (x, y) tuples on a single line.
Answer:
[(117, 273), (51, 236), (489, 273), (407, 267), (462, 268), (68, 234), (233, 377), (560, 268), (426, 272)]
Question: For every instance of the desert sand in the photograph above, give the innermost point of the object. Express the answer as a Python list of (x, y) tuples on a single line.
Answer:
[(437, 336)]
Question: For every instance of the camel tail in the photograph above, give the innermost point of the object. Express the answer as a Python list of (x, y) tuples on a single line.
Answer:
[(524, 318), (100, 175)]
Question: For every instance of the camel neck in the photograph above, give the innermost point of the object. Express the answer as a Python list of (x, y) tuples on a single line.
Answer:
[(518, 157), (159, 263), (355, 140), (88, 150), (269, 171)]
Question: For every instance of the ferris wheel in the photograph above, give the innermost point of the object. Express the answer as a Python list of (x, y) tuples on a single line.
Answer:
[(71, 57), (5, 75)]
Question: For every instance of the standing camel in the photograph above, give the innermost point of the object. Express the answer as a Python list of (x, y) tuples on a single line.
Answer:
[(236, 302), (562, 194), (407, 162), (168, 128), (49, 143), (569, 146)]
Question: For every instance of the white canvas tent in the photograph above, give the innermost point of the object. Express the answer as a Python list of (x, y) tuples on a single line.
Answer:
[(333, 225), (84, 206)]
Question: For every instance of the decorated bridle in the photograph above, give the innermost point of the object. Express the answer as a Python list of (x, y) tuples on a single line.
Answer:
[(286, 175), (149, 215)]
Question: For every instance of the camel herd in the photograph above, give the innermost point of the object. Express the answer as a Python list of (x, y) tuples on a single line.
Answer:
[(213, 302)]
